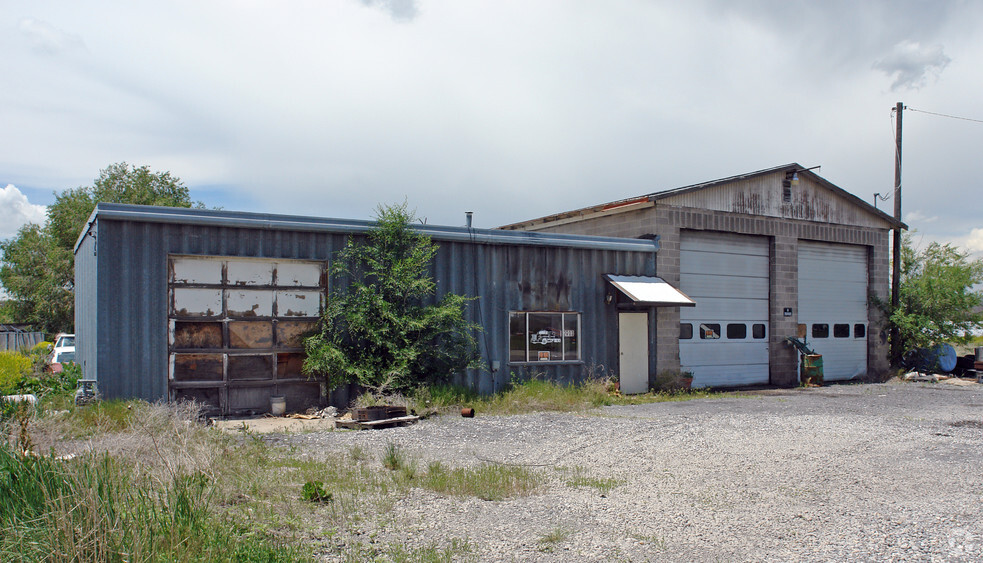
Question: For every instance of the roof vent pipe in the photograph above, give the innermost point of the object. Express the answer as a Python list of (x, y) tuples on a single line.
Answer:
[(467, 216)]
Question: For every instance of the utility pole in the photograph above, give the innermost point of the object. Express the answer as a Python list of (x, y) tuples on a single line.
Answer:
[(896, 271)]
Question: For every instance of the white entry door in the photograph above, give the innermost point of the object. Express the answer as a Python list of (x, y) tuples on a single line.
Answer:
[(633, 342)]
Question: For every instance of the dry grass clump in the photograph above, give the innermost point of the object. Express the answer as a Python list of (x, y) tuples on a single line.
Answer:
[(139, 484), (159, 439)]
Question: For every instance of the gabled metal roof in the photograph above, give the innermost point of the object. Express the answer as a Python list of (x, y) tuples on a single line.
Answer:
[(639, 201), (241, 219)]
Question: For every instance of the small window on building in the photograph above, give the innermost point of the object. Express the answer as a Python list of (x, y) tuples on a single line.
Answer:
[(820, 330), (758, 331), (544, 337), (709, 331), (685, 331), (736, 331), (841, 331), (859, 330)]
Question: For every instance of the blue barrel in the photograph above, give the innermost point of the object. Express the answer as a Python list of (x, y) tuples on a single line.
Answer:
[(947, 357), (941, 358)]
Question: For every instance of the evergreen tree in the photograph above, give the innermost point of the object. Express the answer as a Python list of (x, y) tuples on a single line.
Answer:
[(383, 327)]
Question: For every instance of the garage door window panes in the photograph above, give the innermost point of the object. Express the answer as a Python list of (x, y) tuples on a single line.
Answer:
[(736, 331), (686, 331), (544, 336), (709, 331), (236, 328), (859, 331), (820, 330)]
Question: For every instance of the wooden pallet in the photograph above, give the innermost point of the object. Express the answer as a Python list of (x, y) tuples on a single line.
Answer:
[(384, 423)]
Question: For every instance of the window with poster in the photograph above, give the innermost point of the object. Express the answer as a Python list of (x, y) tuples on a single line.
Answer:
[(544, 336)]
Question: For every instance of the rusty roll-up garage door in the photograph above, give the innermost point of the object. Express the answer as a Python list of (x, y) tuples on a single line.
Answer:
[(235, 331)]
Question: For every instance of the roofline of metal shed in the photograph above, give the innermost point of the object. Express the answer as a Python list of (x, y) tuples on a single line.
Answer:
[(248, 220), (633, 202)]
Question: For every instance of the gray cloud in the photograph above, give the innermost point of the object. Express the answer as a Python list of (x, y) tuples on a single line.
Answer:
[(511, 110), (399, 10), (47, 39), (911, 64)]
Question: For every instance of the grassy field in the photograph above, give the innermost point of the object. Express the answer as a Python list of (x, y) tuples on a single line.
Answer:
[(132, 481)]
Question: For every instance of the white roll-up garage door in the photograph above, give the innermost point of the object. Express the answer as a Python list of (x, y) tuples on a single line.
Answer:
[(723, 341), (833, 306)]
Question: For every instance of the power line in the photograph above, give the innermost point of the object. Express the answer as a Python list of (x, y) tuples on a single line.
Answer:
[(909, 108)]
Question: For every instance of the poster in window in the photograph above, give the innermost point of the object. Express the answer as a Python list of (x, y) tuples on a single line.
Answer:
[(546, 335)]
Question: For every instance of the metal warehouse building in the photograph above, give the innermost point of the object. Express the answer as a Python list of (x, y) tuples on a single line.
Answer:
[(187, 303), (764, 255)]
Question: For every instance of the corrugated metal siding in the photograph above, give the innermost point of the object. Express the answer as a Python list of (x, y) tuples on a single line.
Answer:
[(131, 302), (86, 305), (762, 195), (510, 278)]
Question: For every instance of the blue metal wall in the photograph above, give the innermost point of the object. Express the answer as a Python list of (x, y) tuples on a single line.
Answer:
[(122, 298), (86, 305)]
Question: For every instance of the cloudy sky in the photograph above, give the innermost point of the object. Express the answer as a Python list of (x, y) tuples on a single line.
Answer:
[(510, 109)]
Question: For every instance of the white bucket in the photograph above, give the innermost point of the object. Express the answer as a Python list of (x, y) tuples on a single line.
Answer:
[(979, 353), (278, 405)]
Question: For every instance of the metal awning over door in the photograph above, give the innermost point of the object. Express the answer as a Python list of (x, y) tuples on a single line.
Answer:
[(724, 339), (649, 290)]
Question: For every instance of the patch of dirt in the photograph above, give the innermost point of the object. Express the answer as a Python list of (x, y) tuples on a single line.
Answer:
[(271, 424)]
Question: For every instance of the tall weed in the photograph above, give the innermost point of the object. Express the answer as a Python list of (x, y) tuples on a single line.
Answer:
[(93, 508)]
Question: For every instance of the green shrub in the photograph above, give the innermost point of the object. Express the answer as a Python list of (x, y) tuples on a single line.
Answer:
[(384, 327), (39, 355), (14, 367), (47, 383), (314, 491)]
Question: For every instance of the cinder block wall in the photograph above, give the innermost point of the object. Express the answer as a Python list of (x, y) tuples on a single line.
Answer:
[(667, 222)]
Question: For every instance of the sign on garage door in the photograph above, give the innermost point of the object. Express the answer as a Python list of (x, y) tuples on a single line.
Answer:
[(833, 306), (235, 330), (723, 341)]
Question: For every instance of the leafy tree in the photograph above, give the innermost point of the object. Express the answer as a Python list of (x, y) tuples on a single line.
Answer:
[(938, 297), (38, 264), (38, 275), (117, 183), (383, 329)]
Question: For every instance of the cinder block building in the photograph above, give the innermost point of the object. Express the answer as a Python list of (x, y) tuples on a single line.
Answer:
[(764, 255)]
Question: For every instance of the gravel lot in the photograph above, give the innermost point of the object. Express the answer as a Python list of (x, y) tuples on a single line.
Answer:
[(874, 472)]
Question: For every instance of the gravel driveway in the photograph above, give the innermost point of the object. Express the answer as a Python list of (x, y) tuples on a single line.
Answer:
[(874, 472)]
